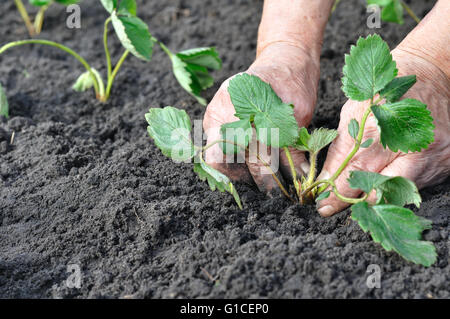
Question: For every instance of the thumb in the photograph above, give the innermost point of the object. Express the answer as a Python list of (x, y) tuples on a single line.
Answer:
[(372, 159)]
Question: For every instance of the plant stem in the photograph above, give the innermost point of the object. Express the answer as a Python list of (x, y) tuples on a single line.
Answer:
[(293, 170), (312, 170), (165, 49), (335, 5), (355, 148), (274, 176), (111, 73), (347, 199), (204, 148), (377, 101), (291, 162), (280, 185), (39, 20), (26, 18), (105, 44), (61, 47), (114, 73), (410, 12), (315, 184)]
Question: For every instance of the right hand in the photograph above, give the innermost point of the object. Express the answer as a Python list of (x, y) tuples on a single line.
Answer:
[(293, 73)]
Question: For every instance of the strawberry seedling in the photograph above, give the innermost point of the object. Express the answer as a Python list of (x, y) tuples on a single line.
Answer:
[(4, 108), (36, 27), (392, 10), (190, 67), (370, 74)]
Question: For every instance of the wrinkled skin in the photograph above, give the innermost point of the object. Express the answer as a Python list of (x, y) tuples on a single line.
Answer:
[(294, 77), (426, 168), (293, 73)]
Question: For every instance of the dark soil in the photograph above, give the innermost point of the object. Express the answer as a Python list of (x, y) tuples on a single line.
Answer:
[(84, 184)]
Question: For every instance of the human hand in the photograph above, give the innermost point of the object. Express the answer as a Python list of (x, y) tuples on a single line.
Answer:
[(293, 73), (426, 168)]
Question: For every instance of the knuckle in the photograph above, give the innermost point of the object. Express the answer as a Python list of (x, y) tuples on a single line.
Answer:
[(371, 129), (359, 164)]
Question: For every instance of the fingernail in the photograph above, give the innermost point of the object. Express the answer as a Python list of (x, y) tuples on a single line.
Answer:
[(323, 175), (326, 211), (305, 167)]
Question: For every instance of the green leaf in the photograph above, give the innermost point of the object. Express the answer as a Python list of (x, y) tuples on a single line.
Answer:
[(397, 88), (110, 5), (353, 128), (202, 76), (255, 99), (277, 127), (170, 128), (239, 132), (405, 125), (187, 78), (190, 68), (4, 106), (216, 180), (318, 139), (393, 12), (40, 3), (206, 57), (67, 2), (368, 68), (398, 191), (302, 141), (381, 3), (323, 196), (398, 229), (85, 81), (127, 7), (134, 35), (250, 95), (303, 137), (366, 181), (367, 143), (390, 190)]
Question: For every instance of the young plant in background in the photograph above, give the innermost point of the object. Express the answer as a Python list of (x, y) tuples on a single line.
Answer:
[(190, 67), (36, 27), (392, 10), (4, 108), (369, 75)]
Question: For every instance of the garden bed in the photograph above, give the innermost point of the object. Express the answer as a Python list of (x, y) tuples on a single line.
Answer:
[(84, 184)]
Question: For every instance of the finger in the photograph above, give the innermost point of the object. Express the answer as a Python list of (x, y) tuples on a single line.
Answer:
[(372, 159), (263, 164), (232, 166), (218, 112), (402, 166), (302, 94)]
